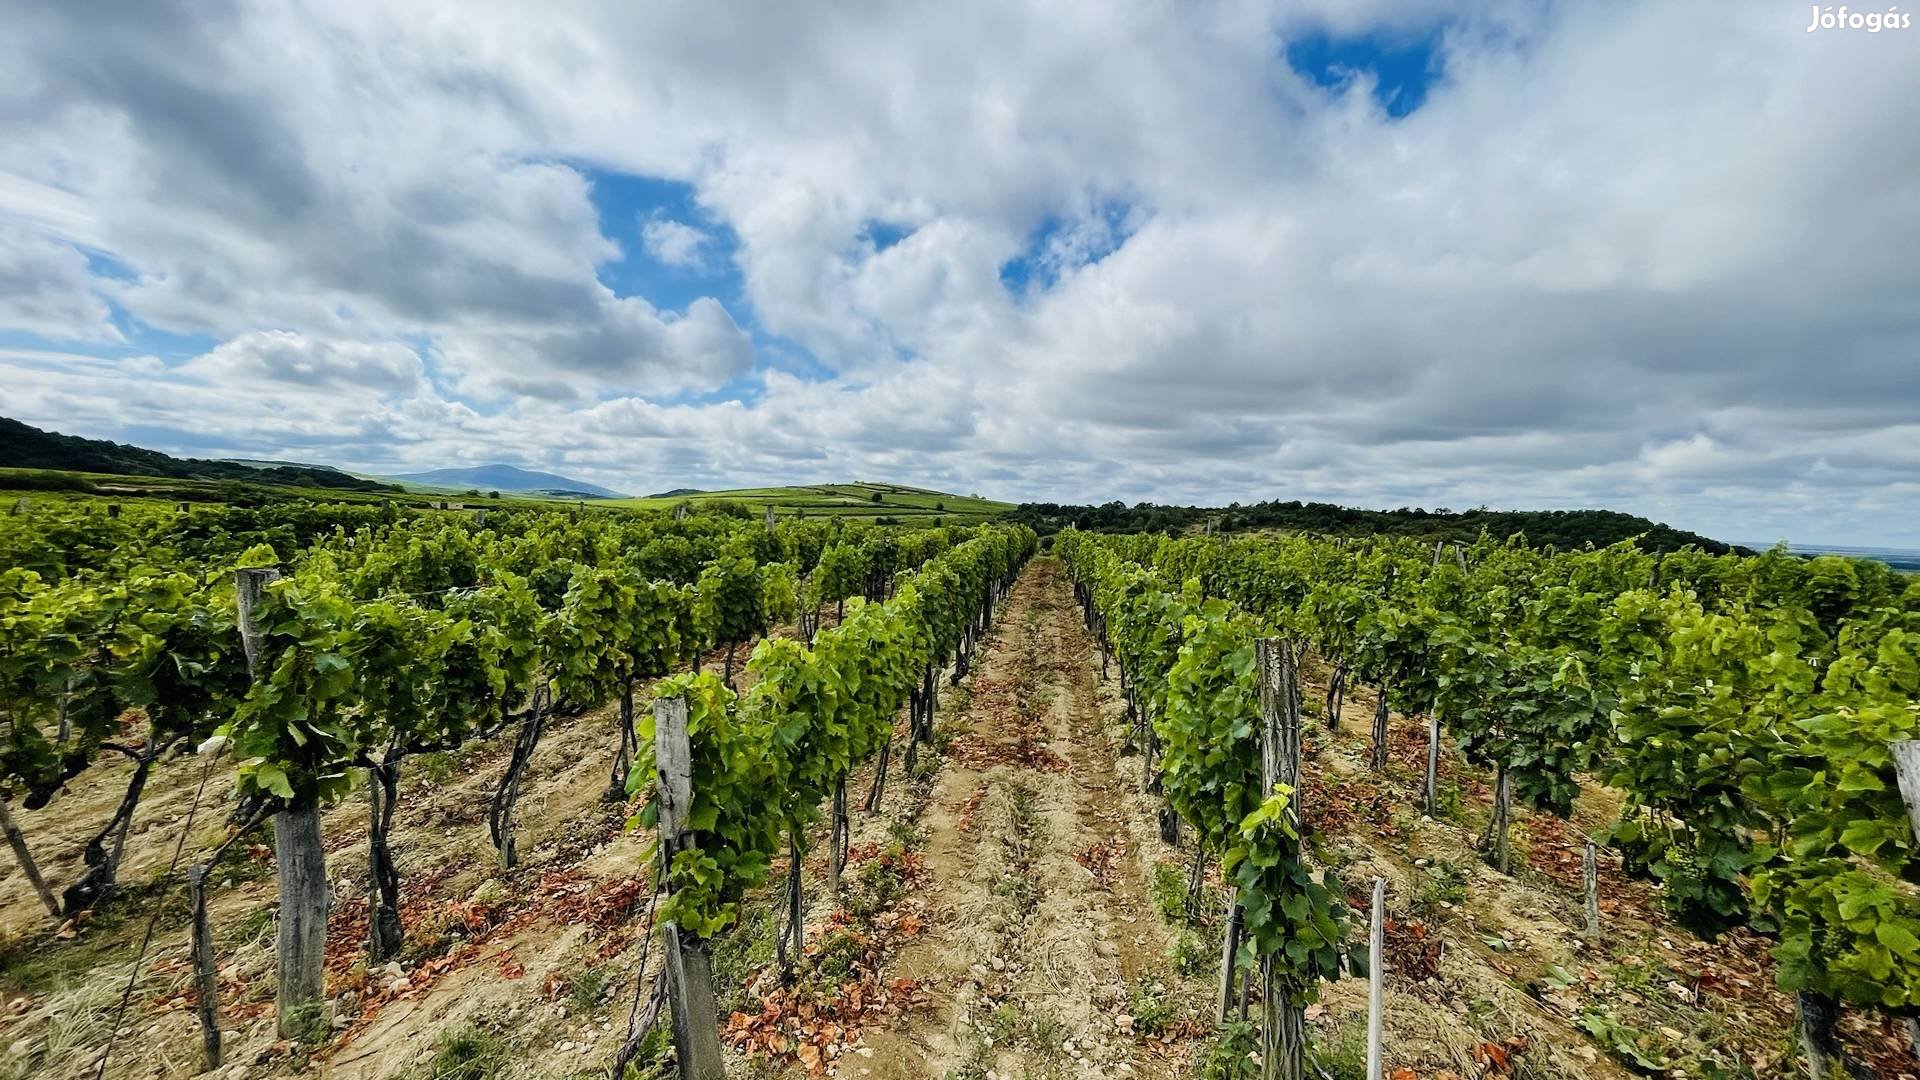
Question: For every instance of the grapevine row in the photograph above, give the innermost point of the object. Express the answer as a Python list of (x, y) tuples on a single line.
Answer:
[(396, 636), (1749, 708)]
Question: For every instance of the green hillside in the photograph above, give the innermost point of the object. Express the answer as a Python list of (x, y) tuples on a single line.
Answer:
[(861, 500), (25, 447)]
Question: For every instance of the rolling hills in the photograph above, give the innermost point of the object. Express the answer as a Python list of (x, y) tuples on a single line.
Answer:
[(858, 500), (23, 446), (504, 478)]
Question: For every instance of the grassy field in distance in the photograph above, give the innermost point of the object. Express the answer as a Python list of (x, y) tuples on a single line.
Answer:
[(822, 500), (836, 500)]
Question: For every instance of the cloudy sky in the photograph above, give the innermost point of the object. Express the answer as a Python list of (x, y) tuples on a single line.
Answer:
[(1659, 256)]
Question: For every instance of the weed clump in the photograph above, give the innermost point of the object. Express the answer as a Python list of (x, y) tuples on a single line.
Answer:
[(1168, 890), (1152, 1008), (468, 1053)]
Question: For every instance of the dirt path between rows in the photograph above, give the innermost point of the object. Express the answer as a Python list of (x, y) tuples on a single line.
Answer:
[(1041, 923)]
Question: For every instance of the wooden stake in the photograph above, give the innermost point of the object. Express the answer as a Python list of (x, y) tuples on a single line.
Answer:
[(1376, 977), (1279, 719), (1590, 877), (300, 862), (1229, 954), (1283, 1030), (1906, 769), (206, 981), (696, 1033), (1379, 760), (27, 866), (1433, 763), (249, 588), (305, 894), (1818, 1014)]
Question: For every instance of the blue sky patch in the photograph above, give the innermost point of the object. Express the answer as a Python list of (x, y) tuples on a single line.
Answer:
[(1061, 243), (881, 235), (625, 203), (1404, 67)]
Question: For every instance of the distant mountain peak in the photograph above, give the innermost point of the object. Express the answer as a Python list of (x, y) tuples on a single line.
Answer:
[(503, 477)]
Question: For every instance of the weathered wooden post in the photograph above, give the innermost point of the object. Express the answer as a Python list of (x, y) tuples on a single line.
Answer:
[(1818, 1014), (1906, 771), (24, 856), (769, 517), (300, 860), (1433, 762), (1590, 879), (1283, 1036), (1376, 977), (206, 979), (249, 588), (1229, 955), (696, 1031)]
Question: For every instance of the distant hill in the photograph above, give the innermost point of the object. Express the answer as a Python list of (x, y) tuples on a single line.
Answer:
[(269, 463), (507, 478), (867, 501), (25, 447), (1561, 528)]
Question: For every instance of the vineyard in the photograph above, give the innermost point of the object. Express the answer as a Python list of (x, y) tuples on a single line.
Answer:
[(339, 788)]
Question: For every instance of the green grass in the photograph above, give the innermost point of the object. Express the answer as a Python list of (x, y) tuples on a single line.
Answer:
[(837, 500), (1153, 1009), (469, 1053)]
